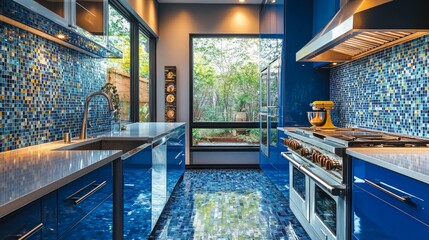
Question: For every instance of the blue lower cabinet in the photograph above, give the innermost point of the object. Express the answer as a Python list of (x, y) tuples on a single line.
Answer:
[(175, 158), (387, 205), (138, 195), (98, 225), (80, 197), (24, 221), (49, 216), (373, 218)]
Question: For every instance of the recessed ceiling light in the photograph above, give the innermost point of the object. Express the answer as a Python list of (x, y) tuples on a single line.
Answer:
[(242, 1)]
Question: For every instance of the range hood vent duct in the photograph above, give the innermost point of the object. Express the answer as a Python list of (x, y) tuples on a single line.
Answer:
[(362, 27)]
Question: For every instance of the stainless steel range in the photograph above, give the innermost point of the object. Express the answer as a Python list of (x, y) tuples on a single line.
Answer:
[(319, 173)]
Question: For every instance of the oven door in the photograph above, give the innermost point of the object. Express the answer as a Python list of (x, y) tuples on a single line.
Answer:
[(299, 185), (299, 191), (327, 213)]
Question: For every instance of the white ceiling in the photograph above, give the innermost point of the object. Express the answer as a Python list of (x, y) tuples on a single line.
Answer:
[(212, 1)]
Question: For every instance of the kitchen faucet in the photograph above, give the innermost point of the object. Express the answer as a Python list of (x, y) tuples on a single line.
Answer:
[(85, 111)]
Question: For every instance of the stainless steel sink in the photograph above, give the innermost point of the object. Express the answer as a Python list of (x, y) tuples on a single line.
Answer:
[(106, 144)]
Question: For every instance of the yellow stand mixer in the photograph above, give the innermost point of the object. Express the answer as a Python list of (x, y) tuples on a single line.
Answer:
[(321, 119)]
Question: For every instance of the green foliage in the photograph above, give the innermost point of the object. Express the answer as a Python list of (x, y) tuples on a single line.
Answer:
[(111, 90), (251, 136), (119, 37), (196, 135), (144, 113), (225, 79)]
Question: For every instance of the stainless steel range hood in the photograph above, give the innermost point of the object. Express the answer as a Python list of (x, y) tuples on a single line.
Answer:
[(362, 27)]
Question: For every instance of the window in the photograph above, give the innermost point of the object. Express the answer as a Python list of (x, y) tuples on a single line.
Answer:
[(118, 70), (131, 74), (224, 91), (144, 77)]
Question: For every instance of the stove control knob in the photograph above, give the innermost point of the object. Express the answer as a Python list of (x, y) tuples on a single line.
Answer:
[(320, 158), (304, 152), (286, 141), (325, 161), (296, 145), (332, 164), (314, 156)]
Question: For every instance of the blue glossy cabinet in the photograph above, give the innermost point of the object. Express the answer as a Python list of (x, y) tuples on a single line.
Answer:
[(387, 205), (175, 158), (137, 193), (78, 199), (62, 213), (24, 221), (271, 25)]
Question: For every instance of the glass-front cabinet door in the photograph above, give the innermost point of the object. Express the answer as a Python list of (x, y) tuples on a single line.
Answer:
[(57, 11), (87, 17), (91, 15)]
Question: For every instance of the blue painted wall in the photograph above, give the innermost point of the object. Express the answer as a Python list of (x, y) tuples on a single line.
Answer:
[(42, 89), (323, 11), (386, 91), (302, 84)]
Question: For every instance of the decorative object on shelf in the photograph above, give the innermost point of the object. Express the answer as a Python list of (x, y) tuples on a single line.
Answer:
[(170, 93), (111, 90)]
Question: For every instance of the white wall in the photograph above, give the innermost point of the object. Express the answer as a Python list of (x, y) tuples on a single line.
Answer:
[(176, 22)]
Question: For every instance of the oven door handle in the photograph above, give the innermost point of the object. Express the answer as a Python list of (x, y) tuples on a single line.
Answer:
[(291, 160), (337, 190)]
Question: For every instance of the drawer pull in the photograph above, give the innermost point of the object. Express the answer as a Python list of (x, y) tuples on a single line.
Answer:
[(178, 155), (402, 198), (31, 232), (78, 200)]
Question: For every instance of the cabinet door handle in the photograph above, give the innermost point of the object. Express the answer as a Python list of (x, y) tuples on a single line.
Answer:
[(402, 198), (31, 232), (78, 200), (178, 155)]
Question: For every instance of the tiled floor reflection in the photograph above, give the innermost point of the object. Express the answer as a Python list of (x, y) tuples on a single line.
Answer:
[(227, 204)]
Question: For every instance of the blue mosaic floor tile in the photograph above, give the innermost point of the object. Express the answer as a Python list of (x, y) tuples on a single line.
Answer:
[(227, 204)]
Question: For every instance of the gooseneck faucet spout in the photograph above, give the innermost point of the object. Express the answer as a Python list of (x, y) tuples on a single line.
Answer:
[(83, 131)]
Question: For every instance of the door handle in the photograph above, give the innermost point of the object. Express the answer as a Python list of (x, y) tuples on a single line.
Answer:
[(77, 200), (401, 198), (31, 232), (335, 190)]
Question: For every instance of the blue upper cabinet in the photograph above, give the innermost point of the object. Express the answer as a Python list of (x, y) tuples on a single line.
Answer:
[(323, 12)]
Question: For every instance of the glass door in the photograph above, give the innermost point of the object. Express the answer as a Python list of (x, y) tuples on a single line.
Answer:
[(264, 113), (273, 99), (144, 77)]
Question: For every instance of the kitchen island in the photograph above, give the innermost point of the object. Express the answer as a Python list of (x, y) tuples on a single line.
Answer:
[(28, 174)]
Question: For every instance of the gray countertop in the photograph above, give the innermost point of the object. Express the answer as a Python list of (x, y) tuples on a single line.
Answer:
[(411, 162), (150, 131), (29, 173)]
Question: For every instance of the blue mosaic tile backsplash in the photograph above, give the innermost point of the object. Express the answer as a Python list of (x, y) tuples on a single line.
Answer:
[(43, 86), (385, 91)]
